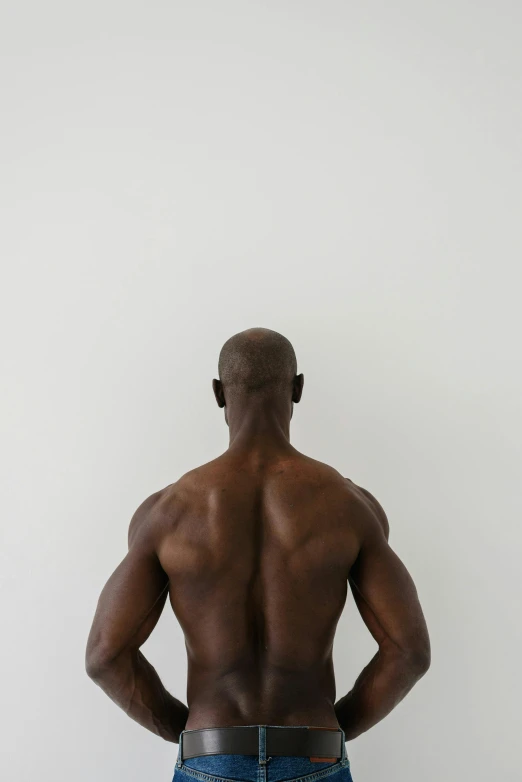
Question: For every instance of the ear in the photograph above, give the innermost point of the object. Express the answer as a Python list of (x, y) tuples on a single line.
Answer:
[(218, 392), (297, 389)]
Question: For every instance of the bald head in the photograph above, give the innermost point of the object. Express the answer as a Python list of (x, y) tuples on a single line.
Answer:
[(255, 360)]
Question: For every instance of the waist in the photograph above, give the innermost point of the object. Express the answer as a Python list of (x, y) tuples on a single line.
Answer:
[(261, 695), (270, 753), (264, 741)]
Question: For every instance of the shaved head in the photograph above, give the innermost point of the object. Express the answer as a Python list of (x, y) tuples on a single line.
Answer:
[(257, 359)]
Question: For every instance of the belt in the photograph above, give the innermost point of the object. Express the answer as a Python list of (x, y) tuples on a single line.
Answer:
[(316, 743)]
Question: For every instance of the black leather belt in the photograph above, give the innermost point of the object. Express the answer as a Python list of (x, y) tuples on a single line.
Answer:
[(244, 740)]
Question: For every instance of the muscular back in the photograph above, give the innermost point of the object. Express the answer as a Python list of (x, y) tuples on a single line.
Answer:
[(258, 551)]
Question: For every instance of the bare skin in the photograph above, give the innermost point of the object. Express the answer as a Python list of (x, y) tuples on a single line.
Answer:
[(255, 551)]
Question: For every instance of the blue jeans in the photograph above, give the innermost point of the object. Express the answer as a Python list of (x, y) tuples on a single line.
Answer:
[(259, 768)]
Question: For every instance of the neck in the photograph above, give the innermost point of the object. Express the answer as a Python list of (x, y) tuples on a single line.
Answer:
[(259, 423)]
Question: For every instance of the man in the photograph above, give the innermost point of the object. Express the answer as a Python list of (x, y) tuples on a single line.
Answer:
[(255, 551)]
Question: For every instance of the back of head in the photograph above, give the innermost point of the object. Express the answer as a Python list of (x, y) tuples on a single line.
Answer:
[(256, 360)]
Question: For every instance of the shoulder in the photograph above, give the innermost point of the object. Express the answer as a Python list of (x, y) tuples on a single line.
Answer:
[(373, 505), (151, 515), (320, 471)]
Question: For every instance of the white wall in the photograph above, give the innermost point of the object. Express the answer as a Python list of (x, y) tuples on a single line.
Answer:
[(345, 173)]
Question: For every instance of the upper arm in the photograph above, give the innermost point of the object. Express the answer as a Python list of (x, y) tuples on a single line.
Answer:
[(386, 596), (132, 600)]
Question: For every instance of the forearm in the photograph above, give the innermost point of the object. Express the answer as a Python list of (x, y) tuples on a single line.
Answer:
[(133, 684), (382, 684)]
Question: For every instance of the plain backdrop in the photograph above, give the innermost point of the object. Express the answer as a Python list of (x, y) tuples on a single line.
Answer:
[(348, 174)]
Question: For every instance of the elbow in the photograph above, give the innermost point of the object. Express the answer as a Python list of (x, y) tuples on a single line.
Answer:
[(94, 667), (419, 661), (414, 660), (419, 657), (97, 662)]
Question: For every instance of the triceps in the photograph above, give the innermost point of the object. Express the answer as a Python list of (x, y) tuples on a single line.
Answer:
[(367, 615), (151, 620)]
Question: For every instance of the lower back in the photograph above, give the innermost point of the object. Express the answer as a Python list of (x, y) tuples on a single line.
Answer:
[(262, 696)]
